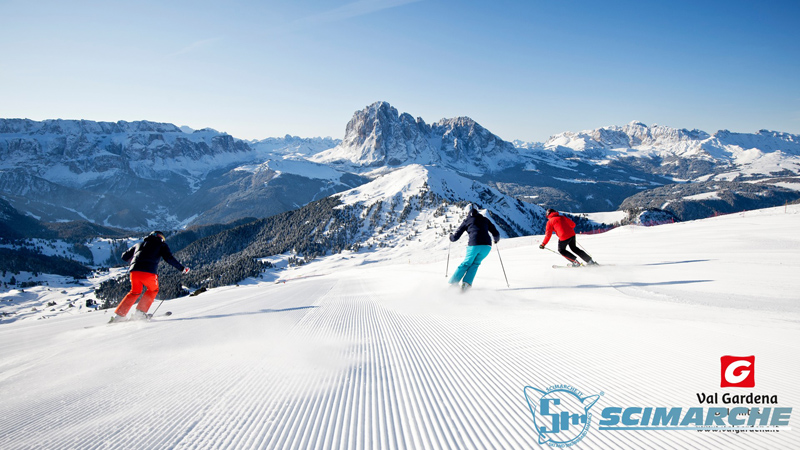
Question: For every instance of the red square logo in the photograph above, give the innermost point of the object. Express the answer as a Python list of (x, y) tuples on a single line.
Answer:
[(738, 371)]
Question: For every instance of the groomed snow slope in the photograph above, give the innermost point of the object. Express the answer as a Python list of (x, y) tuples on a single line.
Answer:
[(352, 354)]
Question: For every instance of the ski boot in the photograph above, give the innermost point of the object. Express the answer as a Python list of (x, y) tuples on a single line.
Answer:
[(116, 318), (139, 315)]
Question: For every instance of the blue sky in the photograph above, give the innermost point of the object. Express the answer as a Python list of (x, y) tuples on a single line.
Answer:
[(523, 69)]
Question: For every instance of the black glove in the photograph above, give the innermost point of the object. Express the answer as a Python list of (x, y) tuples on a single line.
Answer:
[(452, 238), (541, 247), (496, 239)]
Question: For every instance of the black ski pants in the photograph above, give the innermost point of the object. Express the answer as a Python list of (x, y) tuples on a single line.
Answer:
[(562, 248)]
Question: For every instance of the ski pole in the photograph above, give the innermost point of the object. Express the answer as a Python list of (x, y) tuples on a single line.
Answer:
[(551, 250), (159, 306), (503, 267), (559, 254), (447, 269)]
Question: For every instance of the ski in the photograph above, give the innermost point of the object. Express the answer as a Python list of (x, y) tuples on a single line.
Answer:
[(147, 318), (570, 266), (151, 316)]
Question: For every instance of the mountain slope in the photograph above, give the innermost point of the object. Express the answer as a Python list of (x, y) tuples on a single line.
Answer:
[(405, 191), (14, 225), (146, 175), (595, 170), (705, 199), (17, 226), (624, 164), (346, 354), (405, 210)]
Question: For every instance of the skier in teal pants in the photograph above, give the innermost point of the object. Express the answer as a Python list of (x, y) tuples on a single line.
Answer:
[(479, 229)]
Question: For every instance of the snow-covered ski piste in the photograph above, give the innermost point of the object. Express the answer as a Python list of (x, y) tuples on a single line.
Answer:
[(366, 351)]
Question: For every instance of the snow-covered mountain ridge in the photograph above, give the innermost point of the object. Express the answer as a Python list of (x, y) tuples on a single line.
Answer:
[(592, 170), (424, 204), (741, 150), (76, 127), (78, 152), (143, 174), (153, 175), (379, 136)]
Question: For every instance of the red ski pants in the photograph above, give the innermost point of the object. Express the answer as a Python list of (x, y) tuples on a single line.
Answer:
[(139, 281)]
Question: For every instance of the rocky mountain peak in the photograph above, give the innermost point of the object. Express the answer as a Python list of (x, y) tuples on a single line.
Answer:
[(379, 136)]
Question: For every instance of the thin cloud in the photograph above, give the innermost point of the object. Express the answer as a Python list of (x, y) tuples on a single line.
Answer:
[(193, 46), (349, 11)]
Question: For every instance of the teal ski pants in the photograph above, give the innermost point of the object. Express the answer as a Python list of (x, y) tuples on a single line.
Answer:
[(469, 267)]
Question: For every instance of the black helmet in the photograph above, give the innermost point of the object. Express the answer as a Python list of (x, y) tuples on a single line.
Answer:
[(159, 234), (550, 211)]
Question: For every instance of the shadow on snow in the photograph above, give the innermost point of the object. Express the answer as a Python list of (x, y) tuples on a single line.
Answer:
[(248, 313)]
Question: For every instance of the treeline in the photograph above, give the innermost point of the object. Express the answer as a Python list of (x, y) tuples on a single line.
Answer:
[(15, 226), (79, 231), (16, 261), (692, 201), (324, 227), (183, 238), (648, 217), (319, 228)]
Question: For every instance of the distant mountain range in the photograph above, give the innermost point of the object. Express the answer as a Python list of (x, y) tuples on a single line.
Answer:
[(589, 171), (145, 175)]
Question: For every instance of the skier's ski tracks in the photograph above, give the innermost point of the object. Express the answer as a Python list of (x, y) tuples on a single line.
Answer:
[(349, 362)]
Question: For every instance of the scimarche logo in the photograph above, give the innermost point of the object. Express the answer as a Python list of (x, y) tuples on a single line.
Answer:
[(738, 371), (562, 418), (560, 414)]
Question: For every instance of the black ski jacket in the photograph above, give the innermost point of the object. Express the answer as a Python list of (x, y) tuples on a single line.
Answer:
[(478, 228), (145, 256)]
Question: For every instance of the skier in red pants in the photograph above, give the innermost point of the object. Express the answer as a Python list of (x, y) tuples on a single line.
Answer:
[(565, 230), (144, 258)]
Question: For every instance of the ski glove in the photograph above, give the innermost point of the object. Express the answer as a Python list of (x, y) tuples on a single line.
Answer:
[(452, 238), (541, 247), (496, 239)]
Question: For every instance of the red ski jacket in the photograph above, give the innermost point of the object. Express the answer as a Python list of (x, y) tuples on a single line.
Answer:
[(562, 225)]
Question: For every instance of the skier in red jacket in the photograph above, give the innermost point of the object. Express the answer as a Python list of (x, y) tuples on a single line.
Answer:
[(565, 230)]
